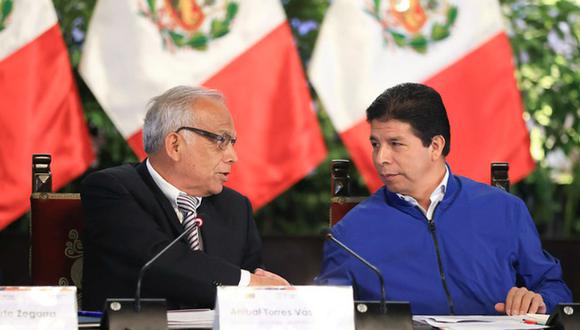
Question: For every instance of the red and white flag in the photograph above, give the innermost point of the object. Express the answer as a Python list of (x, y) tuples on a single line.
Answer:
[(40, 110), (460, 48), (137, 49)]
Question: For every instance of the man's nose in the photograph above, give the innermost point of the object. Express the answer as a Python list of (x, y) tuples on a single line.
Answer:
[(230, 155), (384, 155)]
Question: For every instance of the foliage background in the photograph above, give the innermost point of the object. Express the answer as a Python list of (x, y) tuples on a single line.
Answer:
[(545, 37)]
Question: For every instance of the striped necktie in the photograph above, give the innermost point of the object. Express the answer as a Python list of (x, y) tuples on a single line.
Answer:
[(188, 206)]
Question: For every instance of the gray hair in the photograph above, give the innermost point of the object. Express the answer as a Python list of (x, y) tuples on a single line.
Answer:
[(171, 110)]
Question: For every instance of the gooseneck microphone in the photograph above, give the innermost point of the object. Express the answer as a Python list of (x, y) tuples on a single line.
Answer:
[(326, 233), (198, 224)]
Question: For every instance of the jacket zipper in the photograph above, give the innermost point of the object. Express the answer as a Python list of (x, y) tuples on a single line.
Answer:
[(431, 224)]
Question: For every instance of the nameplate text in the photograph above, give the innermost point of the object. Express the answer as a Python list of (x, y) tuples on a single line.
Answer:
[(298, 307), (24, 308)]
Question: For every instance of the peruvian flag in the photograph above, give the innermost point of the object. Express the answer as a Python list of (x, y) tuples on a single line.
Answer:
[(40, 110), (137, 49), (460, 48)]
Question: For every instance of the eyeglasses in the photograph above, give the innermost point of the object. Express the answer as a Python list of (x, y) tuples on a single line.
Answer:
[(222, 141)]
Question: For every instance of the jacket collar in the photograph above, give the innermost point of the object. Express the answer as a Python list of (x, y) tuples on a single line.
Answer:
[(160, 197), (452, 189)]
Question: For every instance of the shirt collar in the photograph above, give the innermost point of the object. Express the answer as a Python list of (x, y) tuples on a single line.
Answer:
[(436, 196), (169, 190)]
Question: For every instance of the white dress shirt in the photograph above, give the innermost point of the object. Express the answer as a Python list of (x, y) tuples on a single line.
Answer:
[(436, 197), (171, 192)]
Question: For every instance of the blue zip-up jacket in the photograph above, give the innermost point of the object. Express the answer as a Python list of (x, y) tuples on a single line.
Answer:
[(481, 243)]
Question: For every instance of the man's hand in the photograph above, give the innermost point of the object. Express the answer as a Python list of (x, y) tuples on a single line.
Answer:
[(262, 277), (521, 301)]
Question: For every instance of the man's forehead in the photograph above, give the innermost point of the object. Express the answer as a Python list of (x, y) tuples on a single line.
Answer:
[(390, 128), (212, 114), (209, 108), (208, 105)]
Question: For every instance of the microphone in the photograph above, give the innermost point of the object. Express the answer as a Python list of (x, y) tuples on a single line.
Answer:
[(146, 313), (198, 223), (326, 233)]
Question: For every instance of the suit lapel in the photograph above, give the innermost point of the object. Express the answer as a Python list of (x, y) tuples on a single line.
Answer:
[(214, 230), (160, 197)]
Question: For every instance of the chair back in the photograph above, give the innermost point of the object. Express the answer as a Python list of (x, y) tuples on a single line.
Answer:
[(56, 227), (341, 200), (56, 248), (499, 175)]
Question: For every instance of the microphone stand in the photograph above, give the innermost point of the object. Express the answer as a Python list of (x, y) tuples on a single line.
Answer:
[(140, 313), (383, 306), (150, 262), (367, 316)]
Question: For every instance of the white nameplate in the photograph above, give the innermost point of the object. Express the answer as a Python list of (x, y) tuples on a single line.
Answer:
[(38, 307), (298, 307)]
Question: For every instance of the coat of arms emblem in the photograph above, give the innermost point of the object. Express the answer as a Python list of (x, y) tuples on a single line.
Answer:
[(5, 9), (413, 23), (190, 23)]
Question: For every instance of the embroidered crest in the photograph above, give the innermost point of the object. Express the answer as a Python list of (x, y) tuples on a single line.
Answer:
[(413, 23), (190, 23), (5, 9)]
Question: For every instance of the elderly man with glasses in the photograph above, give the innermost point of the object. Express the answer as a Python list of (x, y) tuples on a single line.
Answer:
[(134, 211)]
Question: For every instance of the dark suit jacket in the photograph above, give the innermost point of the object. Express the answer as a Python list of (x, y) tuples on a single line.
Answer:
[(129, 220)]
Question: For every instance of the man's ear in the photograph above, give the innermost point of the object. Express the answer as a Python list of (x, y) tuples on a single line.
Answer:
[(437, 145), (173, 144)]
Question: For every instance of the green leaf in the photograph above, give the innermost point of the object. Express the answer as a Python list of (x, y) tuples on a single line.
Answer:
[(178, 39), (451, 16), (218, 28), (419, 43), (399, 38), (7, 7), (439, 32), (198, 41), (152, 7), (231, 11), (75, 57), (377, 6)]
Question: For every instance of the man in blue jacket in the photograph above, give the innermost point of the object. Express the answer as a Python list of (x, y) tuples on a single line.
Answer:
[(447, 244)]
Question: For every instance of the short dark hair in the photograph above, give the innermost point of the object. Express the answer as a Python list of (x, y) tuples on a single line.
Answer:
[(418, 105)]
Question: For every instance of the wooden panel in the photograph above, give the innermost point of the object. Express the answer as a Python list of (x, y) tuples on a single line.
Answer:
[(339, 207), (55, 239)]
